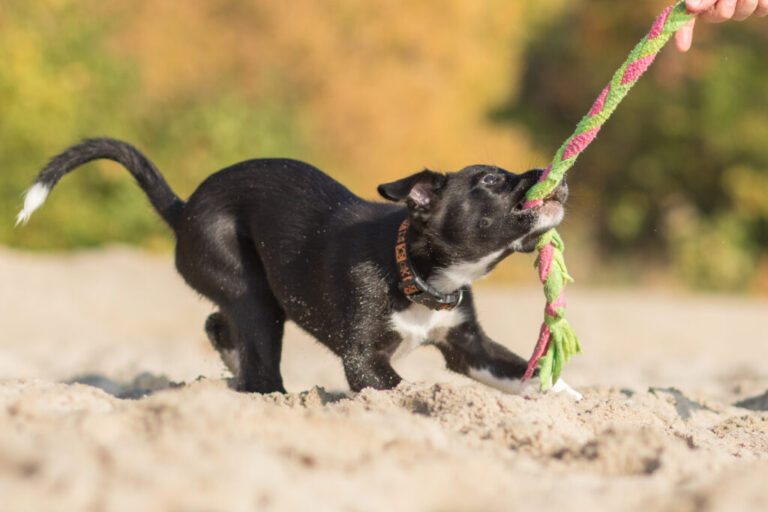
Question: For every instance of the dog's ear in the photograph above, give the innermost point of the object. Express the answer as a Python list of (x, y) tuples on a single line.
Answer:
[(418, 191)]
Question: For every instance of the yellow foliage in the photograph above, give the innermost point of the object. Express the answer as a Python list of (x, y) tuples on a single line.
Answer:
[(748, 189), (383, 88)]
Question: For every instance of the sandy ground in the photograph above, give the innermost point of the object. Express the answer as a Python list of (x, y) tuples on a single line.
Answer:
[(656, 430)]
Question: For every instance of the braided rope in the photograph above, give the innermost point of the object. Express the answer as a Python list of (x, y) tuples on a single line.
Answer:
[(557, 340)]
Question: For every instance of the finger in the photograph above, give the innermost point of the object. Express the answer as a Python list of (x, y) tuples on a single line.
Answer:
[(744, 9), (762, 8), (684, 36), (722, 11), (699, 5), (726, 8)]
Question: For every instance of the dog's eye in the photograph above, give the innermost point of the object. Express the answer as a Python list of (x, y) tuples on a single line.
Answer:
[(490, 179)]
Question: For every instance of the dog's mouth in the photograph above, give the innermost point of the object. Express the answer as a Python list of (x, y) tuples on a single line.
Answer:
[(553, 203), (560, 194), (547, 215), (550, 204)]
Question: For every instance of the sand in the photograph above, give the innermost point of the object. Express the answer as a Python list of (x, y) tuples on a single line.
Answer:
[(657, 428)]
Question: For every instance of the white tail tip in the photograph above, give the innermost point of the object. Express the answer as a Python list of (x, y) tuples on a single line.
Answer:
[(34, 197)]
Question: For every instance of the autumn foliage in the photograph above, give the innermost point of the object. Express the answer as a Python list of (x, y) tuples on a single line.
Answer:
[(370, 91)]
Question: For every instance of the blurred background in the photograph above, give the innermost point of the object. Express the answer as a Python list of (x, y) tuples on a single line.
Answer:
[(674, 192)]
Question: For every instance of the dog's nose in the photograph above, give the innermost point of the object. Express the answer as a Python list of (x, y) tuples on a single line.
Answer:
[(532, 176), (522, 182)]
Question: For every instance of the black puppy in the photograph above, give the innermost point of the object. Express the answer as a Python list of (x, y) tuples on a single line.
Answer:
[(271, 240)]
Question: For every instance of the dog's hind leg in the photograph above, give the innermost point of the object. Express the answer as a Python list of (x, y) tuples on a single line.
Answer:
[(256, 323), (225, 267), (221, 339), (248, 336)]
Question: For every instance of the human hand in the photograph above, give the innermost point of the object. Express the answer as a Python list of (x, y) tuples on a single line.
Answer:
[(717, 11)]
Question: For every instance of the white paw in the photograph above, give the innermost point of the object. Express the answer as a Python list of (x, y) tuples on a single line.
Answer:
[(561, 385)]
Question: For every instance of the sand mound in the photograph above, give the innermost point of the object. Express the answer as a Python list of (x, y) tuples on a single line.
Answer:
[(656, 430), (419, 447)]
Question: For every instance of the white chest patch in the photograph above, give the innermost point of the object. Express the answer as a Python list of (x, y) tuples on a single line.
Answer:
[(454, 277), (419, 324)]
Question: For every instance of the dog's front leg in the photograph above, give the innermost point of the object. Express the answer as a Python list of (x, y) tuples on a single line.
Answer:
[(467, 350), (366, 367)]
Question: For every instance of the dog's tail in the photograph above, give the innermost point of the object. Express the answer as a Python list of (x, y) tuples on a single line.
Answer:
[(167, 204)]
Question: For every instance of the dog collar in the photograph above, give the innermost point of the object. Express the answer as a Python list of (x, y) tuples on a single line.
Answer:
[(414, 287)]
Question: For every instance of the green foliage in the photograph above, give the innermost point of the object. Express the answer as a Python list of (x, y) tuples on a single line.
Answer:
[(61, 82), (681, 171)]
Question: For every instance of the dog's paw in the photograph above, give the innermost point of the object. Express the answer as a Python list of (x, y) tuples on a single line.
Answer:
[(561, 385)]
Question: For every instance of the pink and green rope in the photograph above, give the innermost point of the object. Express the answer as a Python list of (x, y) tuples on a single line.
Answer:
[(557, 340)]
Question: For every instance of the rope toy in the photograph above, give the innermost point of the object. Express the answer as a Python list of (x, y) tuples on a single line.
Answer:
[(557, 340)]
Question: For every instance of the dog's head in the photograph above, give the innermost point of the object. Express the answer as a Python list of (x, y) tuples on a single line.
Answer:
[(476, 212)]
